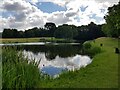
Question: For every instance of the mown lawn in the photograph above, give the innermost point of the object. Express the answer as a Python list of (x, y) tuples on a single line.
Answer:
[(26, 40), (18, 40), (101, 73)]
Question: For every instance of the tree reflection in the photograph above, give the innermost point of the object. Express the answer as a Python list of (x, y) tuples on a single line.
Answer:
[(51, 51)]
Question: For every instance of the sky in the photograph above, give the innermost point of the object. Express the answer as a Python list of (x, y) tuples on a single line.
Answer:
[(26, 14)]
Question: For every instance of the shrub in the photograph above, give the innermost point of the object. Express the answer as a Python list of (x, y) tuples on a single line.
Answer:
[(87, 45), (94, 50), (90, 50)]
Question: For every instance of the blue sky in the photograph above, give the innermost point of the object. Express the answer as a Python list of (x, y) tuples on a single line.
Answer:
[(50, 7), (25, 14)]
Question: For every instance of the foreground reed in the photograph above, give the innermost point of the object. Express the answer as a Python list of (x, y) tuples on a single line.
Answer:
[(17, 72)]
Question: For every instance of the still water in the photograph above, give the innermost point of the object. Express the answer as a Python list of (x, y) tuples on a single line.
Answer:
[(54, 57)]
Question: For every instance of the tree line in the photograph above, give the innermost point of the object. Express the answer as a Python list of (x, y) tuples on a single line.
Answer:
[(84, 32)]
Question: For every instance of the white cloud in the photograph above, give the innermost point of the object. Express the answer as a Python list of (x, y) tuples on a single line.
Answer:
[(3, 23), (25, 14), (58, 18), (71, 13)]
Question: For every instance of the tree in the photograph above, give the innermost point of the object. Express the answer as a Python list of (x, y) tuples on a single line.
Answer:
[(112, 26), (89, 32), (94, 31), (6, 33), (10, 33), (21, 34), (66, 31), (51, 27)]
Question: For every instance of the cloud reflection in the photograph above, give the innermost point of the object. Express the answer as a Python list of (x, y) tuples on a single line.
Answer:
[(57, 65)]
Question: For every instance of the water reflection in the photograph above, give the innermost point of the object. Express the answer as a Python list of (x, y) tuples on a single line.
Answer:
[(54, 58), (54, 66)]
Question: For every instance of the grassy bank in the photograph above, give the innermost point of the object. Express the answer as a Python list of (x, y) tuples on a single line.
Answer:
[(24, 40), (101, 73)]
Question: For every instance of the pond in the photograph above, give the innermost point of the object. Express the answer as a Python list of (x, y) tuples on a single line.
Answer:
[(54, 57)]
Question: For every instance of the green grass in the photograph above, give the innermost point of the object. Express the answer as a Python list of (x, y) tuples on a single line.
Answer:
[(101, 73), (42, 39), (18, 40)]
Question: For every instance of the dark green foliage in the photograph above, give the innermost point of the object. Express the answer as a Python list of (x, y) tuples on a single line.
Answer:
[(89, 32), (112, 26), (66, 31), (16, 72), (51, 27), (80, 33), (87, 45), (94, 50), (10, 33)]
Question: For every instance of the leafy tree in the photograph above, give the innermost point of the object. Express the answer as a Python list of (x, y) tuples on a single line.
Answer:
[(89, 32), (10, 33), (51, 27), (6, 33), (66, 31), (34, 32), (21, 34), (112, 26), (94, 31)]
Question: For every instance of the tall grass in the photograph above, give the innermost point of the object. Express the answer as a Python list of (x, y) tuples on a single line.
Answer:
[(16, 72)]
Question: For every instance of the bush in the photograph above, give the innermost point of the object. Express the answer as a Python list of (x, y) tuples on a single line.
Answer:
[(94, 50), (90, 50), (87, 45)]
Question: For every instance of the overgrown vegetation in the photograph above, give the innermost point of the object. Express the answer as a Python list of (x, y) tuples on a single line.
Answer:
[(90, 50), (16, 72)]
